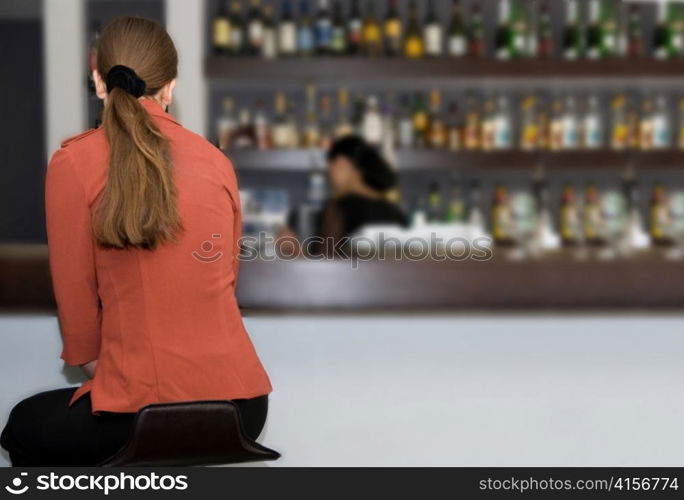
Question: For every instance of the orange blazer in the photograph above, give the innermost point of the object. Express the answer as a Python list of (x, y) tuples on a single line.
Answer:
[(164, 325)]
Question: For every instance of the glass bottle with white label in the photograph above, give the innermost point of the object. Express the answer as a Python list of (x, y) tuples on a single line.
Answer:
[(592, 124), (255, 28), (287, 31), (661, 123), (456, 42), (433, 33)]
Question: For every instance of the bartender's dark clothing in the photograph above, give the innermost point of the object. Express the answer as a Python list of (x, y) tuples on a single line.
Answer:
[(359, 211)]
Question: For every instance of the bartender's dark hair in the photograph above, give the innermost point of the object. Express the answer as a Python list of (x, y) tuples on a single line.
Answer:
[(375, 170), (138, 206)]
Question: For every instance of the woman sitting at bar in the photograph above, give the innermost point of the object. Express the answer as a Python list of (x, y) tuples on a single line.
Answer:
[(359, 180), (143, 223)]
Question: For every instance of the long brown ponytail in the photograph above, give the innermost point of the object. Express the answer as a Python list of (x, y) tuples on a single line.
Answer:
[(138, 206)]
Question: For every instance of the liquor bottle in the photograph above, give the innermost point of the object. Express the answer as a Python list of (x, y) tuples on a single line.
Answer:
[(414, 46), (476, 33), (659, 217), (474, 215), (338, 41), (311, 137), (354, 29), (344, 126), (488, 125), (635, 33), (456, 209), (545, 236), (646, 125), (358, 111), (281, 131), (405, 135), (419, 213), (238, 41), (501, 217), (544, 45), (245, 135), (262, 129), (592, 125), (323, 29), (591, 217), (503, 31), (609, 30), (287, 31), (393, 30), (569, 225), (593, 50), (555, 133), (434, 203), (433, 32), (680, 125), (226, 125), (327, 131), (662, 130), (293, 126), (372, 32), (529, 124), (636, 236), (503, 124), (456, 38), (518, 26), (371, 125), (632, 127), (305, 31), (269, 48), (472, 137), (661, 32), (573, 34), (570, 124), (437, 131), (421, 121), (389, 139), (619, 136), (676, 35), (454, 132), (255, 28), (543, 125), (220, 33)]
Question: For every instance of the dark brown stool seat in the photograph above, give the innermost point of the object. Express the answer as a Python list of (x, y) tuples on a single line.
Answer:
[(189, 433)]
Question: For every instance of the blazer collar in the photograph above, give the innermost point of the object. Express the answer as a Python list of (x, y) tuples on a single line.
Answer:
[(155, 109)]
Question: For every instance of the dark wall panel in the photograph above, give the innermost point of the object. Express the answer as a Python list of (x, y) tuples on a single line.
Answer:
[(22, 135)]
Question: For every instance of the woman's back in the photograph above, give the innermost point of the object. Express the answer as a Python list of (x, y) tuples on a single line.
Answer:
[(170, 326)]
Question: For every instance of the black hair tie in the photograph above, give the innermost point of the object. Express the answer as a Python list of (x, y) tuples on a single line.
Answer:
[(126, 79)]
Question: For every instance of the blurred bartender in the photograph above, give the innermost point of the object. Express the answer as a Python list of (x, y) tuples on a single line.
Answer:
[(359, 179)]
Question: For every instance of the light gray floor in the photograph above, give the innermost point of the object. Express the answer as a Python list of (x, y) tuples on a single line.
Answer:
[(469, 390)]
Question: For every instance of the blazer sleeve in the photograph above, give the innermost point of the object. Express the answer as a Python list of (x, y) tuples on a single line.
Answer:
[(72, 261)]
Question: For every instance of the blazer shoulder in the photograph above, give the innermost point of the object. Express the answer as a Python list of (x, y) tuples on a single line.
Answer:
[(74, 138)]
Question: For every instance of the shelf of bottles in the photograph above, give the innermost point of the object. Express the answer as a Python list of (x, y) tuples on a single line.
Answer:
[(579, 157), (534, 38)]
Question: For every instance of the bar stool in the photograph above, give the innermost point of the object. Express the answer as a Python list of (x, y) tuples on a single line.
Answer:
[(189, 433)]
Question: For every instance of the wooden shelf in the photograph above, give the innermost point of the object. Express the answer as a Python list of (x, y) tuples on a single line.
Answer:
[(384, 69), (302, 160)]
